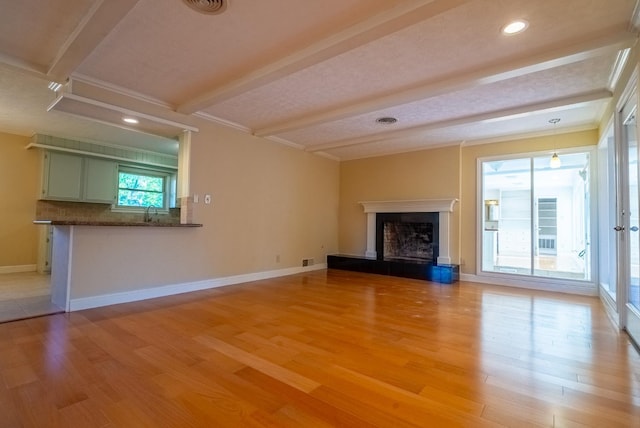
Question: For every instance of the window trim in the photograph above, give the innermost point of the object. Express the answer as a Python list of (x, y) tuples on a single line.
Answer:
[(168, 177)]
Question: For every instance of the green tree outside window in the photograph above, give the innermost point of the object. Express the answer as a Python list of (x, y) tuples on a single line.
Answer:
[(139, 190)]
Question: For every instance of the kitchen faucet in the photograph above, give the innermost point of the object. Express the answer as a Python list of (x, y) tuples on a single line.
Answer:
[(147, 214)]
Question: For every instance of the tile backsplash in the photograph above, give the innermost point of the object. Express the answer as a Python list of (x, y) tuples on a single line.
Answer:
[(83, 211)]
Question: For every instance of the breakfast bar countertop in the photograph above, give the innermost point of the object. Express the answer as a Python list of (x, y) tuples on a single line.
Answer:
[(114, 223)]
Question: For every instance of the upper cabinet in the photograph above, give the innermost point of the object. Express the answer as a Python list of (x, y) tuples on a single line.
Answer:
[(62, 178), (68, 177), (100, 180)]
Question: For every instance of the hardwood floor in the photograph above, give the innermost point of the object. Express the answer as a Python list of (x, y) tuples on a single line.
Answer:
[(327, 348)]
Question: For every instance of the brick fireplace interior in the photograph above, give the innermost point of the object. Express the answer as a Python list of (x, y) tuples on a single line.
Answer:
[(407, 236)]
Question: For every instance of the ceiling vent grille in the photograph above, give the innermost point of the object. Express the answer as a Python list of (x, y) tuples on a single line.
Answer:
[(386, 120), (210, 7)]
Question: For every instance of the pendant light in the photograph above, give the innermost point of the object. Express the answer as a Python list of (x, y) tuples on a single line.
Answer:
[(555, 161)]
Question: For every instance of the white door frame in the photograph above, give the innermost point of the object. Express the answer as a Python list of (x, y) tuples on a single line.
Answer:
[(630, 94)]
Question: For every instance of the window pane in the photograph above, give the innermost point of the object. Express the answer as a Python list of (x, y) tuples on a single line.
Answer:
[(634, 210), (607, 254), (507, 216), (141, 190), (561, 217), (140, 182), (140, 198)]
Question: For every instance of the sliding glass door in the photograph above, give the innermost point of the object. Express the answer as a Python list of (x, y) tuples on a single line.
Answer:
[(536, 218)]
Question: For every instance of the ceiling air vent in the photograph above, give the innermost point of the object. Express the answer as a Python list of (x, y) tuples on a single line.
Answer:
[(210, 7), (386, 120)]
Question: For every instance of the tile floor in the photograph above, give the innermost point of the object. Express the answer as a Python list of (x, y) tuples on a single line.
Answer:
[(25, 295)]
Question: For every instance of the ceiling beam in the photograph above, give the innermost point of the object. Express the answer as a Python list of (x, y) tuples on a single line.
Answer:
[(401, 16), (99, 21), (543, 60), (498, 115)]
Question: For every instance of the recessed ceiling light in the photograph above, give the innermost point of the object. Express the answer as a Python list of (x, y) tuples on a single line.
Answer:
[(132, 120), (515, 27), (386, 120)]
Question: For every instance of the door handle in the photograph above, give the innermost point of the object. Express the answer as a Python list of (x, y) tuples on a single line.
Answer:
[(618, 228)]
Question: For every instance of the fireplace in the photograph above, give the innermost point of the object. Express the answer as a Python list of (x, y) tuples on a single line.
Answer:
[(407, 236), (407, 239), (435, 208)]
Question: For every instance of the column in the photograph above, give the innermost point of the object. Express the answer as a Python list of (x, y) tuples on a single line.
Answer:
[(444, 257), (371, 236)]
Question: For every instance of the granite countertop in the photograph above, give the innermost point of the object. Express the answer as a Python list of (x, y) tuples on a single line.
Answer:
[(114, 223)]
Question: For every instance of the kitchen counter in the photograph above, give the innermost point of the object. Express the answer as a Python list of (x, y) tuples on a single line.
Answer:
[(113, 223), (94, 263)]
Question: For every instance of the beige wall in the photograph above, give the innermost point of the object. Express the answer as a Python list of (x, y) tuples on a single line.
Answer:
[(20, 177), (268, 200), (108, 260), (470, 155), (427, 174)]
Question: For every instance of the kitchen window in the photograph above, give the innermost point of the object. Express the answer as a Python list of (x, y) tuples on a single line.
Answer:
[(142, 188)]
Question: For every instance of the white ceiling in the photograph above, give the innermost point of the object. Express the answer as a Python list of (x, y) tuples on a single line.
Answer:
[(314, 75)]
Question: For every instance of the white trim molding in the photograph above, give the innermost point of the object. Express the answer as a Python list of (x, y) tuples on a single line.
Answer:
[(535, 283), (173, 289), (409, 206), (442, 206), (610, 305), (17, 269)]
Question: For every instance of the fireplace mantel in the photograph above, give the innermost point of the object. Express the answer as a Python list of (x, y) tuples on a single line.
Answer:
[(410, 206), (442, 206)]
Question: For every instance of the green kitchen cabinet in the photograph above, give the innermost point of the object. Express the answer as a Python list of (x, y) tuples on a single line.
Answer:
[(100, 181), (70, 177), (62, 178)]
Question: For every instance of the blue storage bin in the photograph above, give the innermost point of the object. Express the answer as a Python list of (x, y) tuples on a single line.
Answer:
[(445, 274)]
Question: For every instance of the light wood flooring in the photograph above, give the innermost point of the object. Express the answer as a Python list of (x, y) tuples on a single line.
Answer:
[(25, 295), (327, 348)]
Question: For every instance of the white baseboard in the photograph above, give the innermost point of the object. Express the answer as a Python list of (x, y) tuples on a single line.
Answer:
[(609, 305), (17, 269), (556, 285), (172, 289)]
